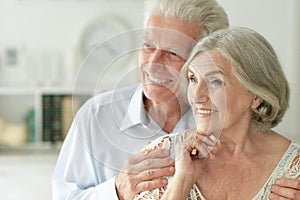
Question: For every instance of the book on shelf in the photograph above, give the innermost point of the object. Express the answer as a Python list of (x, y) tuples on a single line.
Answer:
[(30, 125), (57, 116)]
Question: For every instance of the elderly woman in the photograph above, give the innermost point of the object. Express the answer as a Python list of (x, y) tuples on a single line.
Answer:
[(238, 93)]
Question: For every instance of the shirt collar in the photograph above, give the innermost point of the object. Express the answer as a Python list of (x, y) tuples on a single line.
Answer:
[(136, 113)]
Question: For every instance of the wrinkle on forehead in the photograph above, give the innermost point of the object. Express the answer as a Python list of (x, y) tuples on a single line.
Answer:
[(211, 60), (170, 40)]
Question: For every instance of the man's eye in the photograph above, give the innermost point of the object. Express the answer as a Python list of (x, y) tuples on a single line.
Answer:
[(173, 56), (173, 53), (147, 47)]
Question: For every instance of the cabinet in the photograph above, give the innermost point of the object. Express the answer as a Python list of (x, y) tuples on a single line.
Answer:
[(23, 114)]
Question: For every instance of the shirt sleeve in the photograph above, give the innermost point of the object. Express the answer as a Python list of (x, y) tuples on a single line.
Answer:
[(77, 175)]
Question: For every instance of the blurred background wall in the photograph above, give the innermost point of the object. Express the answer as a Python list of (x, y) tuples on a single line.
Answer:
[(41, 52)]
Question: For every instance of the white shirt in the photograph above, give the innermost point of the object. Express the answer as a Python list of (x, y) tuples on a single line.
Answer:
[(107, 130)]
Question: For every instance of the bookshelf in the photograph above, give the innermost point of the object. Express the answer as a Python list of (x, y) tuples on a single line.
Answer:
[(37, 117)]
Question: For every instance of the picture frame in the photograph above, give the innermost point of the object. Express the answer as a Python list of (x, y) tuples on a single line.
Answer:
[(12, 65)]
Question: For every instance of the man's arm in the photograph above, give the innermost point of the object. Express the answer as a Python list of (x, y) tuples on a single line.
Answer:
[(286, 188), (76, 174)]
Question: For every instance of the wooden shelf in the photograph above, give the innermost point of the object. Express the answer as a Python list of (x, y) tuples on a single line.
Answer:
[(25, 98)]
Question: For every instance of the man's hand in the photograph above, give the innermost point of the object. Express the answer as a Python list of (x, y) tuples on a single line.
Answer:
[(144, 171), (286, 188)]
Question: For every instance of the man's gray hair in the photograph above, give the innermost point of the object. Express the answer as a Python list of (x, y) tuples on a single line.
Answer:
[(207, 13)]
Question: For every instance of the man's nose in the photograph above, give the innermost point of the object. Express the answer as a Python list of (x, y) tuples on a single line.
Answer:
[(157, 56)]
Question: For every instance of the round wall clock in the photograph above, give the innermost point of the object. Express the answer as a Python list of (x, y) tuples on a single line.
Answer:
[(105, 35)]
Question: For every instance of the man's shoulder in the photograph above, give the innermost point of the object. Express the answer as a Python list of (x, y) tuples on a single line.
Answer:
[(116, 95)]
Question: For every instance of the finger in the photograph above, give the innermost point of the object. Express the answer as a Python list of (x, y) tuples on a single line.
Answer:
[(141, 162), (151, 185), (285, 192), (145, 155), (192, 147), (274, 196), (151, 174), (181, 148), (205, 139), (200, 138), (203, 150), (153, 163), (289, 182), (214, 138)]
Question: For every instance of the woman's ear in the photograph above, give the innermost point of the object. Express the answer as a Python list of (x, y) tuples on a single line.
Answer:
[(256, 102)]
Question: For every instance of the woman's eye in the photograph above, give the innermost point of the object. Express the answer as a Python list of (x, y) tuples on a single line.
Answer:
[(217, 82), (192, 79)]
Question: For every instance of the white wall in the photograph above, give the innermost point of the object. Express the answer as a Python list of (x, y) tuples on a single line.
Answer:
[(44, 29), (48, 34), (59, 24), (279, 22)]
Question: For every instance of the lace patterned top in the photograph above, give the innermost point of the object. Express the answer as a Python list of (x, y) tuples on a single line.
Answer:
[(289, 167)]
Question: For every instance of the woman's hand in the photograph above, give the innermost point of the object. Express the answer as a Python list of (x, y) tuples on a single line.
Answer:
[(187, 164), (199, 144)]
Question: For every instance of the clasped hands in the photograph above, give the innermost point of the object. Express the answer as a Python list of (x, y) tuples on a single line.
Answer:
[(148, 170)]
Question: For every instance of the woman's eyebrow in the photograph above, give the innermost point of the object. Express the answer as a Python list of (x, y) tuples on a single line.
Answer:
[(214, 72), (190, 71), (209, 73)]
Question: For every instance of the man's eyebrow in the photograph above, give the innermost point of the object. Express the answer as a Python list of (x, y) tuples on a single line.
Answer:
[(146, 37)]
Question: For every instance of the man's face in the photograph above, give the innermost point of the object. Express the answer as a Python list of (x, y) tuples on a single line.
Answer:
[(166, 45)]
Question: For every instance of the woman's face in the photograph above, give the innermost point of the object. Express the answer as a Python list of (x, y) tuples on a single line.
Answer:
[(218, 99)]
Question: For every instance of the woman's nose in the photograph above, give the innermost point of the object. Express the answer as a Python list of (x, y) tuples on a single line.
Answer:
[(201, 93)]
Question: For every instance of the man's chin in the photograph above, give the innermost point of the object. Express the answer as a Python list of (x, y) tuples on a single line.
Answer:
[(157, 94)]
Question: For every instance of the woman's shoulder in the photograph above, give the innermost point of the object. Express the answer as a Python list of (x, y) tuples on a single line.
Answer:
[(294, 146), (291, 161), (293, 151)]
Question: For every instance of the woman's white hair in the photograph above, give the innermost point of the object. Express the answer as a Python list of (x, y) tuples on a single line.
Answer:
[(207, 13), (257, 67)]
